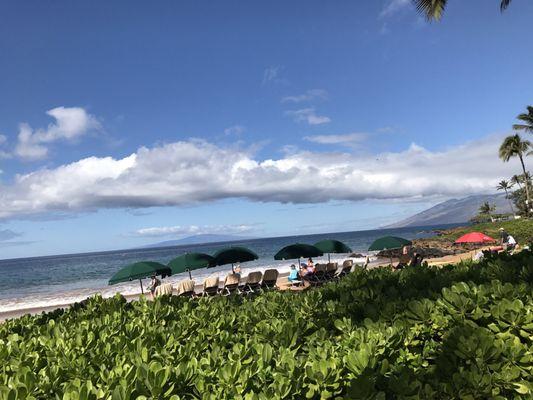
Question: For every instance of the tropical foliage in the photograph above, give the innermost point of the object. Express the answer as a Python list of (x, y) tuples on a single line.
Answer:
[(506, 186), (527, 121), (487, 209), (461, 331), (515, 146), (433, 9), (521, 229)]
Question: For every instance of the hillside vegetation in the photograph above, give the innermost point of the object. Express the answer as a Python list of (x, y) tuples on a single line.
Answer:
[(521, 229), (462, 331)]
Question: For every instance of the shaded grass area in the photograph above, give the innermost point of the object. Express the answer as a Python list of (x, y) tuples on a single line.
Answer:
[(463, 331)]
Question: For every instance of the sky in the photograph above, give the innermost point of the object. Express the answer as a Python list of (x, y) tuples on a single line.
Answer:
[(124, 123)]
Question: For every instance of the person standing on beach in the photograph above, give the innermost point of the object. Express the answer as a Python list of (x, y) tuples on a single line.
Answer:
[(503, 236), (154, 282)]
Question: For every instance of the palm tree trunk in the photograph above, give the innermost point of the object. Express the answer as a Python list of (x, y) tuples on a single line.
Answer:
[(526, 180), (510, 202)]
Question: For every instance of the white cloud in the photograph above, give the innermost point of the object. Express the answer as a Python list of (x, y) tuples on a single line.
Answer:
[(195, 171), (394, 6), (3, 139), (313, 94), (70, 124), (308, 115), (179, 230), (234, 130), (273, 75), (349, 139)]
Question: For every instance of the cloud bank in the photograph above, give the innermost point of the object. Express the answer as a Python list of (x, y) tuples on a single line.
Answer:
[(189, 172), (162, 231), (349, 139)]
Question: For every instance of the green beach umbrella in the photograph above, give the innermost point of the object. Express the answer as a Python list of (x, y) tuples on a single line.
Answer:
[(190, 261), (233, 255), (332, 246), (389, 243), (298, 250), (140, 270)]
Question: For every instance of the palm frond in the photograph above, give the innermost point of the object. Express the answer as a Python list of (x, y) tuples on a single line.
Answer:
[(504, 4), (431, 9), (521, 127)]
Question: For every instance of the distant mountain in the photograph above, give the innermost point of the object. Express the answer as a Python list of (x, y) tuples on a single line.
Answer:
[(198, 239), (454, 211)]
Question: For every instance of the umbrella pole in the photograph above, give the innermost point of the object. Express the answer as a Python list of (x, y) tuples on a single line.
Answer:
[(391, 259), (190, 276), (329, 259), (141, 282), (232, 269)]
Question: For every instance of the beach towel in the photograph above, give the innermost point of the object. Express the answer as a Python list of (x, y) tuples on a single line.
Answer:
[(185, 286), (163, 289)]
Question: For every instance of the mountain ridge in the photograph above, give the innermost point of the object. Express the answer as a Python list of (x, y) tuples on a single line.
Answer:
[(454, 211), (197, 239)]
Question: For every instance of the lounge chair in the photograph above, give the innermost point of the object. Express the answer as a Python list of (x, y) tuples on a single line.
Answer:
[(403, 262), (253, 282), (210, 286), (331, 271), (347, 266), (270, 277), (164, 289), (231, 284), (186, 288), (320, 272), (318, 277)]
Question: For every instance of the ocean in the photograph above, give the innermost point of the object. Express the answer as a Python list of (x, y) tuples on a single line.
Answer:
[(55, 280)]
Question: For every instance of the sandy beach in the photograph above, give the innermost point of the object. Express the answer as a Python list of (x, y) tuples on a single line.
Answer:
[(282, 284)]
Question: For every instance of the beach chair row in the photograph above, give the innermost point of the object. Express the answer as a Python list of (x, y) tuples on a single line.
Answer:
[(233, 283)]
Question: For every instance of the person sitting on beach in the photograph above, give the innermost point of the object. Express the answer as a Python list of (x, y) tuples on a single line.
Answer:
[(479, 256), (306, 270), (310, 263), (310, 268), (511, 243), (293, 274), (237, 269), (154, 282), (416, 260)]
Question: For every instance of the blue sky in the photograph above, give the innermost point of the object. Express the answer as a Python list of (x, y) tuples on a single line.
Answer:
[(125, 123)]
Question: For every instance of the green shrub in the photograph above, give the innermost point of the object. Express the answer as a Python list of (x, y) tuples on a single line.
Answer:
[(462, 331)]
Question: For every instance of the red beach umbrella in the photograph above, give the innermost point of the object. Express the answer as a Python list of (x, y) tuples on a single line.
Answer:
[(475, 237)]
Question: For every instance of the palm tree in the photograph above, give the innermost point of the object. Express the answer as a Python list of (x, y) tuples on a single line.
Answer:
[(516, 180), (486, 208), (504, 185), (433, 9), (514, 146), (527, 118)]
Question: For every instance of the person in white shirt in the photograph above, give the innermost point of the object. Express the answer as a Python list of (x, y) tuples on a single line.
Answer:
[(511, 242)]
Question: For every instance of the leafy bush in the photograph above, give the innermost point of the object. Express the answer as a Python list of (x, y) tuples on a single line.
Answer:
[(462, 331)]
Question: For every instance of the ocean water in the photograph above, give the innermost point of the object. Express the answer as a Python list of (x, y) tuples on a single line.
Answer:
[(55, 280)]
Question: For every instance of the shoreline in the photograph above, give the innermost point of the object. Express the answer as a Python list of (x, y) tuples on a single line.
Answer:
[(281, 283)]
